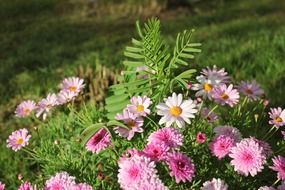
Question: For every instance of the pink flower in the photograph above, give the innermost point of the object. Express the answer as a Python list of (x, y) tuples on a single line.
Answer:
[(226, 95), (82, 186), (221, 146), (201, 137), (99, 141), (26, 186), (129, 154), (279, 166), (282, 186), (247, 157), (156, 152), (46, 104), (219, 75), (228, 131), (18, 139), (168, 136), (283, 133), (250, 89), (64, 97), (211, 117), (278, 117), (266, 188), (181, 166), (132, 121), (215, 184), (60, 181), (2, 186), (140, 105), (25, 108), (267, 151), (153, 184), (72, 84)]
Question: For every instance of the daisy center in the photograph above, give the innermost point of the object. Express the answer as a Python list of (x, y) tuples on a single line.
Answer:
[(140, 108), (27, 111), (208, 87), (278, 119), (20, 141), (176, 111), (225, 96), (248, 91), (131, 123), (72, 88)]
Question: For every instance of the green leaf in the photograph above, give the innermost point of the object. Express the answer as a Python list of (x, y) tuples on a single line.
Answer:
[(90, 131)]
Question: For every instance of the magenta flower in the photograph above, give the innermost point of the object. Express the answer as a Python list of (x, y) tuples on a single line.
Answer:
[(25, 108), (211, 117), (100, 141), (2, 186), (18, 139), (219, 75), (251, 89), (64, 97), (224, 94), (247, 157), (26, 186), (228, 131), (279, 166), (72, 84), (45, 105), (214, 184), (132, 121), (140, 105), (82, 186), (221, 146), (278, 116), (156, 152), (168, 136), (61, 180), (181, 166), (201, 137)]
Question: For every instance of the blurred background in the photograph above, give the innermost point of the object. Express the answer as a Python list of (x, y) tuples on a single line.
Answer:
[(42, 41)]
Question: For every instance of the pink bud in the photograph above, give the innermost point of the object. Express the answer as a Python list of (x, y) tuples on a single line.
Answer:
[(201, 137)]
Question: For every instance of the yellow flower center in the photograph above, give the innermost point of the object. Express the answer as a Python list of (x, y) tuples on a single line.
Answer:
[(140, 108), (278, 119), (208, 87), (225, 96), (248, 91), (72, 88), (176, 111), (27, 111), (131, 123), (20, 141)]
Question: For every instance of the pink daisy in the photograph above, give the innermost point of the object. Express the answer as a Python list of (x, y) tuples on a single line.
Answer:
[(279, 166), (25, 108), (132, 121), (181, 166), (210, 116), (140, 105), (278, 117), (224, 94), (251, 89), (221, 146), (82, 186), (60, 181), (100, 141), (46, 104), (64, 97), (219, 75), (228, 131), (168, 136), (2, 186), (247, 157), (72, 84), (201, 137), (156, 152), (18, 139), (26, 186), (215, 184)]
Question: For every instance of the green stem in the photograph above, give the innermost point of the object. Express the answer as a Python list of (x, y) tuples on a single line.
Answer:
[(213, 109), (275, 182), (266, 135)]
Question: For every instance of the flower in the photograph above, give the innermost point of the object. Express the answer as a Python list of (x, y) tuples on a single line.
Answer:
[(215, 184), (99, 141), (223, 94), (168, 136), (228, 131), (72, 84), (283, 133), (219, 76), (132, 121), (156, 152), (250, 89), (267, 151), (26, 186), (129, 154), (278, 116), (82, 186), (61, 180), (221, 146), (2, 186), (204, 87), (279, 166), (210, 116), (18, 139), (64, 97), (282, 186), (266, 188), (181, 166), (25, 108), (247, 157), (153, 184), (201, 137), (46, 104), (176, 110), (140, 105)]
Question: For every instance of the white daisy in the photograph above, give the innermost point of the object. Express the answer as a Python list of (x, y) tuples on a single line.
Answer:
[(204, 86), (140, 105)]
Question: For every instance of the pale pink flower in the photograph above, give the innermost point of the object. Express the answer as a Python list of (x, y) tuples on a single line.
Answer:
[(267, 151), (251, 89), (156, 152), (228, 131), (208, 115), (223, 94), (45, 105), (201, 137), (279, 166), (218, 75), (61, 180), (18, 139), (2, 186), (181, 166), (139, 105), (176, 110), (64, 97), (278, 116), (153, 184), (204, 87), (25, 108), (129, 153), (168, 136), (221, 146), (82, 186), (214, 184), (133, 122), (282, 186), (26, 186), (72, 84), (100, 141), (247, 157), (266, 188)]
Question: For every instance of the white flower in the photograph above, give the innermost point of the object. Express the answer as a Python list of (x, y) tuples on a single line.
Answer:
[(204, 87), (215, 184), (140, 105)]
